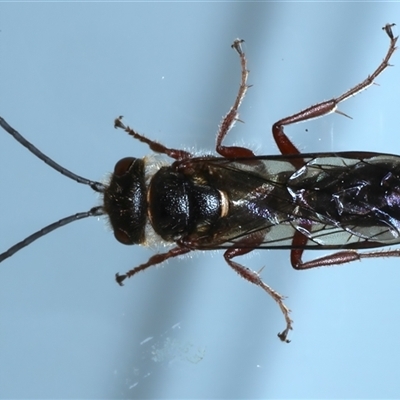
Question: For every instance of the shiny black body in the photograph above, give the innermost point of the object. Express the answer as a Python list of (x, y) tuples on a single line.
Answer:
[(239, 201), (348, 200), (182, 203)]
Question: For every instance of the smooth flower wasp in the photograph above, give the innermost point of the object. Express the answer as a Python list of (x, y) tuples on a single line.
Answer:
[(240, 202)]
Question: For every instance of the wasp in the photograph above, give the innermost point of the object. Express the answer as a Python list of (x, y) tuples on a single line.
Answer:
[(240, 202)]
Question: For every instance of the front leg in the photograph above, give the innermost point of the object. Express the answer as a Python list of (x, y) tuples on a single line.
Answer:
[(155, 146), (154, 260)]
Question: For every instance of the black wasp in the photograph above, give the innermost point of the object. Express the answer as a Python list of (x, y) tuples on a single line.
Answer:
[(241, 202)]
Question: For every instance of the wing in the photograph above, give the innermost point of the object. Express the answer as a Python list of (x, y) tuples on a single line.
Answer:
[(342, 200)]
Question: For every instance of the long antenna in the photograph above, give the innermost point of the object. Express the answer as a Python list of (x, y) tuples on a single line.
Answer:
[(94, 212), (96, 186)]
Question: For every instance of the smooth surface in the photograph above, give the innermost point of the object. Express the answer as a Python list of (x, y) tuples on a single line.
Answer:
[(191, 328)]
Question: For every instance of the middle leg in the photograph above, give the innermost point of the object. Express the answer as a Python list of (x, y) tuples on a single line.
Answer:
[(246, 245)]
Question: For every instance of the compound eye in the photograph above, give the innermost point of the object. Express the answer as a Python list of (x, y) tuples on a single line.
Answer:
[(123, 165), (122, 236)]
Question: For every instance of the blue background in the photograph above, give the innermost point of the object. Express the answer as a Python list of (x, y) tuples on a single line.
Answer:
[(191, 328)]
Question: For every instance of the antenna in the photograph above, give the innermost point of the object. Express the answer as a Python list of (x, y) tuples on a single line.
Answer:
[(96, 186)]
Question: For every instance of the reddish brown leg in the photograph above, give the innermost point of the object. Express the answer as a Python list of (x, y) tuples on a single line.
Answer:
[(286, 146), (248, 244), (154, 260), (155, 146), (341, 257), (233, 114)]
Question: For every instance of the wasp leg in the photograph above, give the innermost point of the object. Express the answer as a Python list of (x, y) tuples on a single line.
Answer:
[(155, 146), (286, 146), (233, 114), (154, 260), (248, 244), (341, 257)]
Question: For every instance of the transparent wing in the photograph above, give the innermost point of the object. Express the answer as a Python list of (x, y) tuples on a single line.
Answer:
[(336, 200)]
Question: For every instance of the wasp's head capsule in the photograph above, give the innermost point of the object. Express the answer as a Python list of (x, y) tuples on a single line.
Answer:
[(125, 201)]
